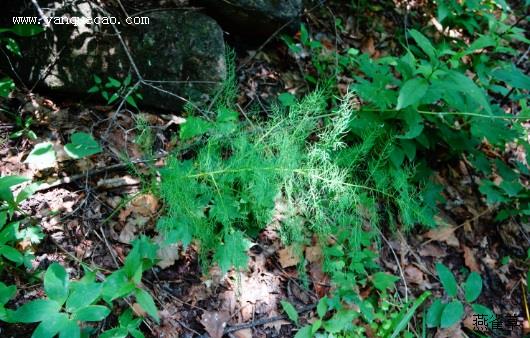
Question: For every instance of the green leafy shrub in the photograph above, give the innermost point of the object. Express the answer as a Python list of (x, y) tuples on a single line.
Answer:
[(127, 280), (115, 89), (447, 313), (12, 228), (81, 145), (67, 304)]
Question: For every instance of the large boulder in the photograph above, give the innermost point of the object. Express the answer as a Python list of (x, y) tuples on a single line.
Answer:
[(182, 53), (254, 17)]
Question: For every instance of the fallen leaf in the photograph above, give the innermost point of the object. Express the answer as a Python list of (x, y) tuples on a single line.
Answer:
[(414, 275), (443, 234), (432, 250), (454, 331), (320, 280), (127, 234), (215, 322), (167, 253), (313, 254), (138, 310), (145, 204), (470, 260), (245, 333), (287, 257)]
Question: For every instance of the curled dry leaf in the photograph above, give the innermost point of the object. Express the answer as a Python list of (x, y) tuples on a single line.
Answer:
[(414, 275), (313, 254), (246, 333), (443, 234), (288, 257), (215, 322), (145, 204), (470, 260), (167, 254)]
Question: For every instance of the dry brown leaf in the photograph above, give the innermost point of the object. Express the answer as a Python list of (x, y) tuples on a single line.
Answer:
[(145, 204), (454, 331), (313, 254), (320, 280), (432, 250), (470, 260), (215, 322), (287, 257), (167, 253), (443, 234), (245, 333), (414, 275), (138, 310)]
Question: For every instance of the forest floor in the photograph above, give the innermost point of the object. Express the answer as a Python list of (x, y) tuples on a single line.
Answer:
[(85, 220)]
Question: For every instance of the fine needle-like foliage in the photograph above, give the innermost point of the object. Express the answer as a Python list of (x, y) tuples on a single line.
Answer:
[(225, 190)]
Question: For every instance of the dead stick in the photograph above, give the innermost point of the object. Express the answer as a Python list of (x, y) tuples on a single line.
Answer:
[(264, 321), (88, 173)]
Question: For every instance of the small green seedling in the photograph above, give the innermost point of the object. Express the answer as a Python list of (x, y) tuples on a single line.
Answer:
[(115, 89), (67, 304), (446, 313)]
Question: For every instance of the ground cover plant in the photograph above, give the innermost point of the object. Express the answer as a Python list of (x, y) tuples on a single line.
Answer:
[(337, 197)]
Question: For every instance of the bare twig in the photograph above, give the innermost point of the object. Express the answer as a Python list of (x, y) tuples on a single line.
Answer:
[(264, 321)]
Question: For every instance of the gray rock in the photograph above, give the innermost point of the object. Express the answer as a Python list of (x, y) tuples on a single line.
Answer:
[(258, 17), (181, 52)]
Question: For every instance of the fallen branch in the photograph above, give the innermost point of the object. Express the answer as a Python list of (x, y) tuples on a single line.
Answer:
[(93, 172), (264, 321)]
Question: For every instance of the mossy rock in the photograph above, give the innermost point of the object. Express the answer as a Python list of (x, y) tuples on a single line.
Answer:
[(182, 52)]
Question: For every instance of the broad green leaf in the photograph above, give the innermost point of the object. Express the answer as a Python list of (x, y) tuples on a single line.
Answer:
[(447, 278), (116, 285), (13, 47), (461, 83), (93, 89), (406, 314), (6, 86), (91, 313), (82, 295), (423, 43), (305, 332), (52, 325), (473, 287), (147, 303), (10, 181), (287, 99), (414, 123), (113, 82), (194, 126), (383, 281), (512, 76), (36, 310), (27, 30), (27, 192), (6, 183), (113, 98), (82, 145), (42, 156), (341, 320), (233, 252), (412, 92), (6, 293), (482, 310), (322, 307), (290, 311), (434, 313), (56, 283), (118, 332), (451, 314), (70, 330), (130, 100), (97, 79), (12, 254)]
